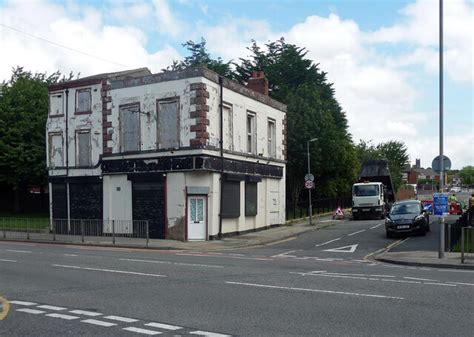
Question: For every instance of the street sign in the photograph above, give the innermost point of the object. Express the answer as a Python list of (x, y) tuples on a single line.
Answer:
[(440, 204), (436, 164), (309, 176), (308, 184)]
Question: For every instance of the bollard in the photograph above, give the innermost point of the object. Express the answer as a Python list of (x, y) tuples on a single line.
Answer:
[(462, 245), (54, 230), (113, 232), (27, 230), (82, 230), (147, 233)]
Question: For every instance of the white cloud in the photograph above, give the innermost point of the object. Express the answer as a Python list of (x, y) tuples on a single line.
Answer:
[(166, 20)]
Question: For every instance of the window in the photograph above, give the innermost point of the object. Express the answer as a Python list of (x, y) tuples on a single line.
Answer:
[(230, 199), (168, 123), (271, 135), (56, 105), (251, 134), (83, 148), (250, 198), (130, 127), (83, 101), (55, 142), (228, 132)]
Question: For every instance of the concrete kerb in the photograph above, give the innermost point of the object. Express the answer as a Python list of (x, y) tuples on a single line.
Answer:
[(441, 264)]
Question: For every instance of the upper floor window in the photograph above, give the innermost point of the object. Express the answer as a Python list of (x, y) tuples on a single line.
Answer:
[(56, 105), (228, 132), (271, 135), (83, 100), (56, 153), (130, 127), (251, 134), (168, 123), (83, 148)]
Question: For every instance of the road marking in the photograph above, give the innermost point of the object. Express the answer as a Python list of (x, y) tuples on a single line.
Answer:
[(85, 313), (373, 227), (440, 284), (387, 248), (100, 323), (363, 230), (208, 334), (18, 251), (66, 317), (225, 256), (142, 331), (51, 307), (31, 311), (325, 243), (280, 241), (286, 253), (6, 260), (345, 249), (23, 303), (71, 255), (163, 326), (121, 319), (107, 270), (314, 290), (173, 263), (419, 279)]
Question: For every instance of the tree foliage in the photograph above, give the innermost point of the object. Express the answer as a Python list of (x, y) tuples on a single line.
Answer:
[(23, 114), (467, 175)]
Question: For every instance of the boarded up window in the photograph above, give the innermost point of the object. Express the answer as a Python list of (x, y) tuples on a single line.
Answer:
[(168, 124), (56, 105), (56, 155), (83, 148), (271, 134), (83, 100), (251, 134), (130, 127), (230, 199), (228, 131), (250, 198)]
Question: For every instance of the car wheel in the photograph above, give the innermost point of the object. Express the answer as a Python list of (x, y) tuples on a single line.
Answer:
[(355, 218), (389, 235), (428, 228)]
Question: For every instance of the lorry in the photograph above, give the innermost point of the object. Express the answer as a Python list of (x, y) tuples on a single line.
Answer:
[(373, 194)]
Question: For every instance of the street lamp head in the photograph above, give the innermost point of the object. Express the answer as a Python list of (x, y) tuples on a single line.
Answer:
[(312, 140)]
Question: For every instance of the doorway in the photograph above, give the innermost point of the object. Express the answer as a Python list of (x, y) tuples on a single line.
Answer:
[(197, 218)]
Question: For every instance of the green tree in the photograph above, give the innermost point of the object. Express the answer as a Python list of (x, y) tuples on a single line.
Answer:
[(467, 175), (23, 114)]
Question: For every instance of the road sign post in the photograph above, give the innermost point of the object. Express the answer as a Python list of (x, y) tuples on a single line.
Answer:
[(441, 208)]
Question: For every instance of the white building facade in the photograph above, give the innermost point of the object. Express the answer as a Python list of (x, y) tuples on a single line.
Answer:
[(142, 146)]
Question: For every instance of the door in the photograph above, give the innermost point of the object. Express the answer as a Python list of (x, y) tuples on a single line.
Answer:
[(197, 218), (148, 203)]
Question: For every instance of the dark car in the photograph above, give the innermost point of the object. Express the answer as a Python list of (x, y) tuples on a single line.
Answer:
[(405, 217)]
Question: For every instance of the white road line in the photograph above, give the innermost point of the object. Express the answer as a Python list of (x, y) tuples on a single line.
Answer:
[(325, 243), (419, 279), (163, 326), (373, 227), (86, 313), (23, 303), (314, 290), (142, 331), (382, 276), (66, 317), (18, 251), (121, 319), (107, 270), (71, 255), (173, 263), (462, 283), (456, 271), (208, 334), (50, 307), (226, 256), (6, 260), (31, 311), (363, 230), (283, 254), (440, 284), (100, 323)]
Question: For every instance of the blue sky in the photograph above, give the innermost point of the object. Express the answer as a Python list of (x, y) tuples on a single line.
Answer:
[(382, 56)]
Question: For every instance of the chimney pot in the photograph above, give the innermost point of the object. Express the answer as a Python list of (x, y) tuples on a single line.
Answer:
[(258, 82), (254, 74)]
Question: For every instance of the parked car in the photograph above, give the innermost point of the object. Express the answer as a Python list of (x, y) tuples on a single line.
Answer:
[(407, 216), (455, 189)]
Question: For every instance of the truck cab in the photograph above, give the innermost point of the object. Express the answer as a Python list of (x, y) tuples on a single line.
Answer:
[(368, 200)]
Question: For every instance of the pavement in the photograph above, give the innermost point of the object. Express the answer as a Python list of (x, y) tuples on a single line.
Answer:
[(426, 255)]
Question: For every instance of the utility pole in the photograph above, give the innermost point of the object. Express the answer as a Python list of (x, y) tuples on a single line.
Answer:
[(441, 157)]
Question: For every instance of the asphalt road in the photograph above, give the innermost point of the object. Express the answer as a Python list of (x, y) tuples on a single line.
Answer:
[(322, 283)]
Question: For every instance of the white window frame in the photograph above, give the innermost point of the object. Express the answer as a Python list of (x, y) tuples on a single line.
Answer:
[(89, 159), (89, 110), (229, 126), (271, 137), (251, 132)]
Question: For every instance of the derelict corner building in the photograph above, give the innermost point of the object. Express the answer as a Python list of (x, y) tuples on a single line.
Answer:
[(195, 154)]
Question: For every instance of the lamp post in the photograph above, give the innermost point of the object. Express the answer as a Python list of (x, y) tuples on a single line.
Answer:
[(309, 172), (441, 157)]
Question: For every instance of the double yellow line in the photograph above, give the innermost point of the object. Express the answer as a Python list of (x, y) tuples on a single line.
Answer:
[(4, 307)]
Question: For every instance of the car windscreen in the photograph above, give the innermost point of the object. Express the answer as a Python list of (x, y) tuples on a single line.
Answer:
[(405, 209), (366, 190)]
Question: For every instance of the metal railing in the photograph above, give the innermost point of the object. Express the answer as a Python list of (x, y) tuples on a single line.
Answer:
[(77, 230), (301, 209), (467, 244)]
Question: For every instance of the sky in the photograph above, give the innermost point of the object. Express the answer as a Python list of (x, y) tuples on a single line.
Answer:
[(382, 56)]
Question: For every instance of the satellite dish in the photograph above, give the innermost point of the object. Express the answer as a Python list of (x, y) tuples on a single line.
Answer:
[(436, 164)]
